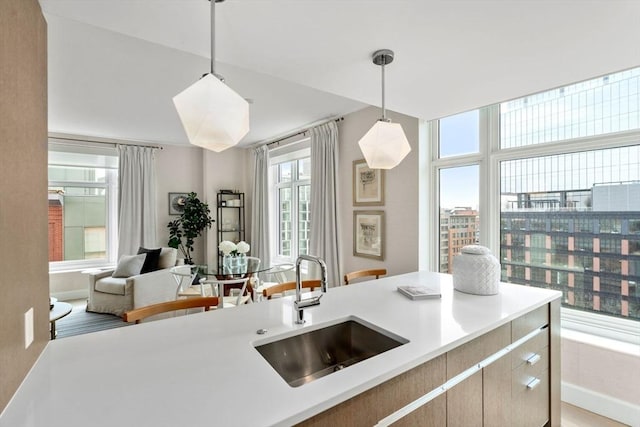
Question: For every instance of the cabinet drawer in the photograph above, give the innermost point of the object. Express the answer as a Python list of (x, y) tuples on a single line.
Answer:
[(521, 354), (531, 406), (527, 372), (530, 321)]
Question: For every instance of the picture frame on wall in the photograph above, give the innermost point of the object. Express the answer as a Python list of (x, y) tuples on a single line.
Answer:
[(368, 234), (368, 185), (176, 203)]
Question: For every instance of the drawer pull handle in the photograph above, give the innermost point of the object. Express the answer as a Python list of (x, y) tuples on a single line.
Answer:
[(533, 384), (533, 359)]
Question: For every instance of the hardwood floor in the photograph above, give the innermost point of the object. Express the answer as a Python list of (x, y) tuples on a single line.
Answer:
[(572, 416)]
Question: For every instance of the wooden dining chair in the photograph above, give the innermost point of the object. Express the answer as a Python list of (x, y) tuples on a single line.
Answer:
[(138, 314), (288, 286), (364, 273)]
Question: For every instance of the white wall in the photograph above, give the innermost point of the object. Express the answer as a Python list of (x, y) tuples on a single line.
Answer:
[(602, 377), (401, 196), (228, 170), (179, 170)]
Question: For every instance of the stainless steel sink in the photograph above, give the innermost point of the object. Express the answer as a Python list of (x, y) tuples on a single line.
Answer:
[(302, 358)]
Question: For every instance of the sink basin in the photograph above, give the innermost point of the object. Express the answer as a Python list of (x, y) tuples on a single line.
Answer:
[(302, 358)]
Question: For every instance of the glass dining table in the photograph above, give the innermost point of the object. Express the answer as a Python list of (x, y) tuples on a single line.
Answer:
[(192, 280)]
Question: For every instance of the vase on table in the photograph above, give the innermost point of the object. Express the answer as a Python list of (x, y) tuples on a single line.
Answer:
[(227, 264), (242, 264)]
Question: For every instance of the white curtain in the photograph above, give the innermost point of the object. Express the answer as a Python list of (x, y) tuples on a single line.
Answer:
[(324, 196), (260, 244), (137, 223)]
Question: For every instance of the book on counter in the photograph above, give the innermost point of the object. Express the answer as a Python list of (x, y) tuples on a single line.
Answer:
[(420, 291)]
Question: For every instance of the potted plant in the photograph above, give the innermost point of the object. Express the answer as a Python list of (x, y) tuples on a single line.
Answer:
[(192, 222)]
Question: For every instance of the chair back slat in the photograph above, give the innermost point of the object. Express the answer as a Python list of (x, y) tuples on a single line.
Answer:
[(138, 314), (288, 286), (364, 273)]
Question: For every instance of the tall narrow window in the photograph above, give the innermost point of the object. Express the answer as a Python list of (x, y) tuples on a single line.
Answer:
[(459, 216), (290, 201)]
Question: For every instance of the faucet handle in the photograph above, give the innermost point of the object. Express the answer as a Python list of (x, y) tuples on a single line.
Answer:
[(308, 302)]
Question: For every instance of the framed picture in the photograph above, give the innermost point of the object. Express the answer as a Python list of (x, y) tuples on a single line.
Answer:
[(176, 203), (368, 234), (368, 185)]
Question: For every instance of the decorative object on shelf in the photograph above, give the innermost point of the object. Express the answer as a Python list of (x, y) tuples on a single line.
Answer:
[(368, 234), (176, 203), (384, 145), (234, 256), (476, 271), (368, 185), (192, 222), (212, 114)]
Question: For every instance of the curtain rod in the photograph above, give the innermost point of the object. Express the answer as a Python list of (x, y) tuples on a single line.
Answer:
[(300, 132), (94, 141)]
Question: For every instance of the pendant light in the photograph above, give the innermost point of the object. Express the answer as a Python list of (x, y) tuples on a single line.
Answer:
[(213, 116), (384, 145)]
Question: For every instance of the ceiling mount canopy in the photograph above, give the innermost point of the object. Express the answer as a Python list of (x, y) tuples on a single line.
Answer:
[(385, 144), (212, 114)]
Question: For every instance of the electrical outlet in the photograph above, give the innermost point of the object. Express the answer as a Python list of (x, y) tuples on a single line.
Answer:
[(28, 328)]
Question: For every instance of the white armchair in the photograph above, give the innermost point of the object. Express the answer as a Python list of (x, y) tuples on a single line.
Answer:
[(113, 295)]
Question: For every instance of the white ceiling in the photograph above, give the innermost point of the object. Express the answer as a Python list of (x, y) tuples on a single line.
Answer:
[(114, 65)]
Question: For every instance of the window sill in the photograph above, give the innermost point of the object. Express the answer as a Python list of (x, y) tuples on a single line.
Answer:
[(72, 267), (620, 335)]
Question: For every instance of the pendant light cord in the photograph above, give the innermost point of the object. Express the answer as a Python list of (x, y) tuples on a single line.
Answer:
[(213, 36), (384, 110)]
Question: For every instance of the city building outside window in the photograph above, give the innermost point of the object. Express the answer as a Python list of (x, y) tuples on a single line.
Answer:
[(82, 206), (290, 205)]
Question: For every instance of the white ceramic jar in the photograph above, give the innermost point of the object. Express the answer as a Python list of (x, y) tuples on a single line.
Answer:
[(476, 271)]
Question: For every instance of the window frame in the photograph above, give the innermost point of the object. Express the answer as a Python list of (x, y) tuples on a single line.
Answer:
[(302, 152), (111, 195)]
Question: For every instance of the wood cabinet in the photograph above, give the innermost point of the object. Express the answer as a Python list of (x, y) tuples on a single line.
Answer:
[(368, 408), (530, 371), (465, 401), (514, 390)]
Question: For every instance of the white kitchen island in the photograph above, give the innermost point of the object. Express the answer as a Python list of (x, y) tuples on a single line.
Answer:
[(203, 369)]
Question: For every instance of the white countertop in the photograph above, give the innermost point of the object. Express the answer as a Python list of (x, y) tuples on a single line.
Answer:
[(202, 369)]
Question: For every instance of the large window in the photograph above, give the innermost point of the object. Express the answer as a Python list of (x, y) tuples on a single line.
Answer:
[(82, 206), (559, 174), (290, 201)]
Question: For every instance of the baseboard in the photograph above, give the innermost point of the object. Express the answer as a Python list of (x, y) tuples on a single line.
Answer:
[(70, 295), (601, 404)]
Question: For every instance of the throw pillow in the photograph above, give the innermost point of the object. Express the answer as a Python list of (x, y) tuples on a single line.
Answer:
[(151, 261), (167, 258), (129, 265)]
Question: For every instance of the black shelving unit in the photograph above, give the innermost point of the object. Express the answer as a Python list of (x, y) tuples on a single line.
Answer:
[(230, 221)]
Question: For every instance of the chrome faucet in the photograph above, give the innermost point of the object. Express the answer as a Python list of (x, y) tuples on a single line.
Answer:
[(300, 303)]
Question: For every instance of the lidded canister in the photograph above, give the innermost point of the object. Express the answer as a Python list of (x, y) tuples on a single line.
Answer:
[(476, 271)]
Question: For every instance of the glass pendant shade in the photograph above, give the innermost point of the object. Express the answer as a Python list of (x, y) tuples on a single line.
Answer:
[(385, 145), (213, 116)]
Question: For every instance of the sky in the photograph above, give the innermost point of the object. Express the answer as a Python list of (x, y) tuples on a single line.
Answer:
[(459, 186)]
